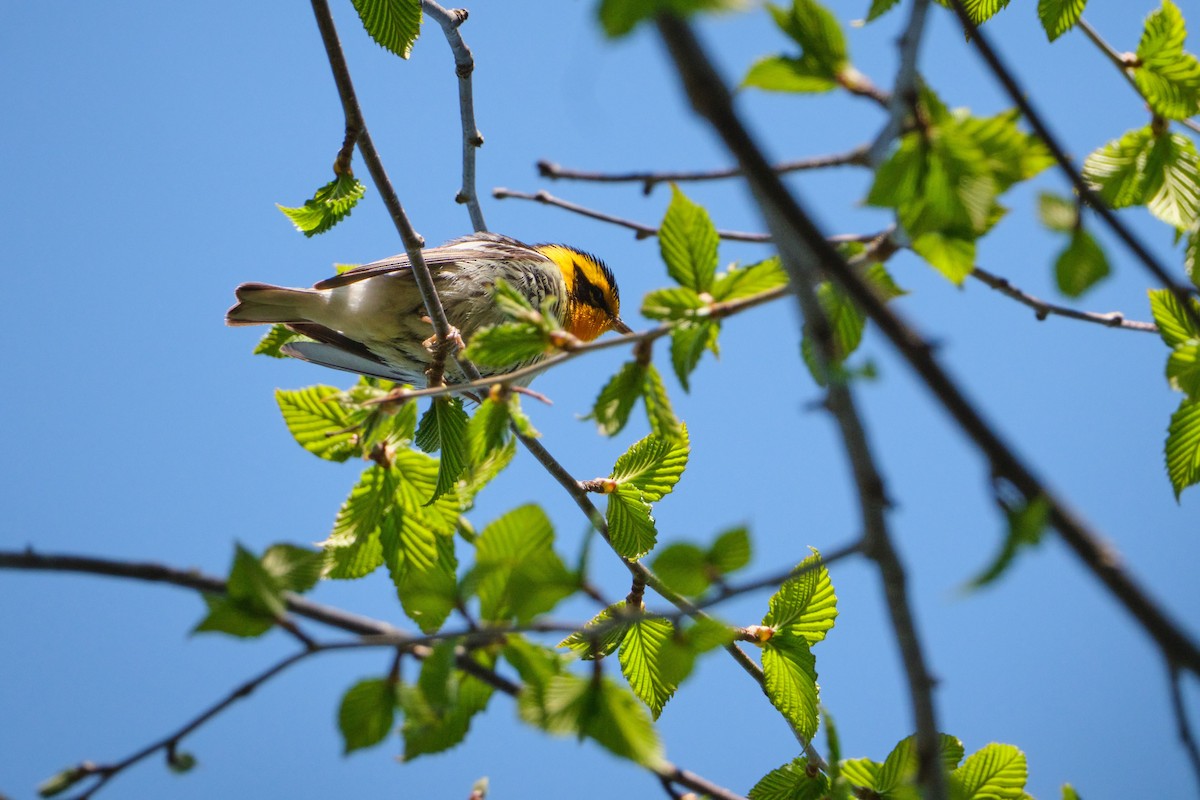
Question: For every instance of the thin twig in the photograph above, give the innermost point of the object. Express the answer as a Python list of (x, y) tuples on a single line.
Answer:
[(1086, 193), (904, 91), (547, 169), (413, 242), (464, 64), (1175, 643), (777, 580), (1042, 309), (641, 230), (1186, 737)]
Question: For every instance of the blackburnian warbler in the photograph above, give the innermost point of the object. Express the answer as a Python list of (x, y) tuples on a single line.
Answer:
[(371, 319)]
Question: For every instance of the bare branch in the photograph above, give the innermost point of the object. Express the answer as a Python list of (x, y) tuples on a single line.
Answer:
[(1042, 309), (464, 65), (1186, 737), (642, 231), (1020, 98), (856, 157), (904, 91)]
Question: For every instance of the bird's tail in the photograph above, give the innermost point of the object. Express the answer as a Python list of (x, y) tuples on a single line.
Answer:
[(262, 303)]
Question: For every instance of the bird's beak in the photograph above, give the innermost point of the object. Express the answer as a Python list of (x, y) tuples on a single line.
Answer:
[(620, 327)]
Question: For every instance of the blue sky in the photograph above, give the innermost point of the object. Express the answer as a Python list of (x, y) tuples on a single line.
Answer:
[(146, 147)]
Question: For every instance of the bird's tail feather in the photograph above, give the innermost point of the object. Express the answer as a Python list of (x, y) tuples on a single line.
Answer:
[(262, 303)]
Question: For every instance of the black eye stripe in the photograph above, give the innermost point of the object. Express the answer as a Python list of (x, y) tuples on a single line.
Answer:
[(587, 292)]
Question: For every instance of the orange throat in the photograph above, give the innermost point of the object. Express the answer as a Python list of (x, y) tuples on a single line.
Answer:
[(586, 322)]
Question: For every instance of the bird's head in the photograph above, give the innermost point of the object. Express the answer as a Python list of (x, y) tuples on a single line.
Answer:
[(593, 300)]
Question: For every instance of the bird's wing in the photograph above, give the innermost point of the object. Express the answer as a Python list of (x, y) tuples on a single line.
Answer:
[(328, 355), (434, 257)]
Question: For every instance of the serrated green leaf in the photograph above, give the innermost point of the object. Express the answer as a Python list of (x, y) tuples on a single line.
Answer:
[(1116, 170), (688, 242), (517, 574), (786, 74), (641, 651), (332, 203), (444, 427), (1166, 76), (1174, 325), (739, 282), (676, 302), (602, 635), (1069, 793), (899, 771), (616, 400), (1182, 449), (845, 320), (367, 712), (1183, 369), (293, 569), (879, 279), (318, 421), (980, 11), (226, 616), (393, 24), (792, 781), (252, 587), (688, 343), (481, 473), (353, 546), (804, 606), (1026, 523), (731, 551), (684, 568), (816, 30), (663, 422), (1011, 155), (619, 723), (861, 772), (508, 345), (994, 772), (439, 708), (952, 256), (1191, 256), (879, 8), (488, 429), (1058, 213), (630, 524), (1059, 16), (790, 682), (1172, 171), (653, 465), (275, 338), (1081, 265), (429, 595)]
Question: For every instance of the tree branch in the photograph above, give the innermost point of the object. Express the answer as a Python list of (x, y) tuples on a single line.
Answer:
[(464, 65), (904, 91), (547, 169), (1186, 737), (1042, 309)]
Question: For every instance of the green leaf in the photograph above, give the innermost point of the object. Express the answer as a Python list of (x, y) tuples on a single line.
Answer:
[(653, 465), (1172, 169), (393, 24), (275, 338), (1081, 265), (488, 429), (1116, 170), (1059, 16), (367, 713), (63, 780), (663, 422), (1183, 446), (480, 474), (439, 708), (1011, 155), (995, 772), (810, 25), (804, 606), (1183, 369), (332, 203), (980, 11), (785, 74), (318, 421), (429, 595), (683, 567), (676, 302), (1069, 793), (899, 770), (293, 569), (861, 772), (616, 400), (508, 345), (444, 427), (731, 551), (354, 544), (791, 681), (1166, 76), (845, 320), (688, 343), (879, 8), (792, 781), (1174, 325), (1026, 524), (952, 256), (1191, 256), (879, 279), (630, 525), (226, 615), (1058, 213), (688, 243), (602, 635), (640, 654), (517, 574), (739, 282)]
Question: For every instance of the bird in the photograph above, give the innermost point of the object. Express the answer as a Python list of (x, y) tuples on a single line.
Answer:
[(371, 320)]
